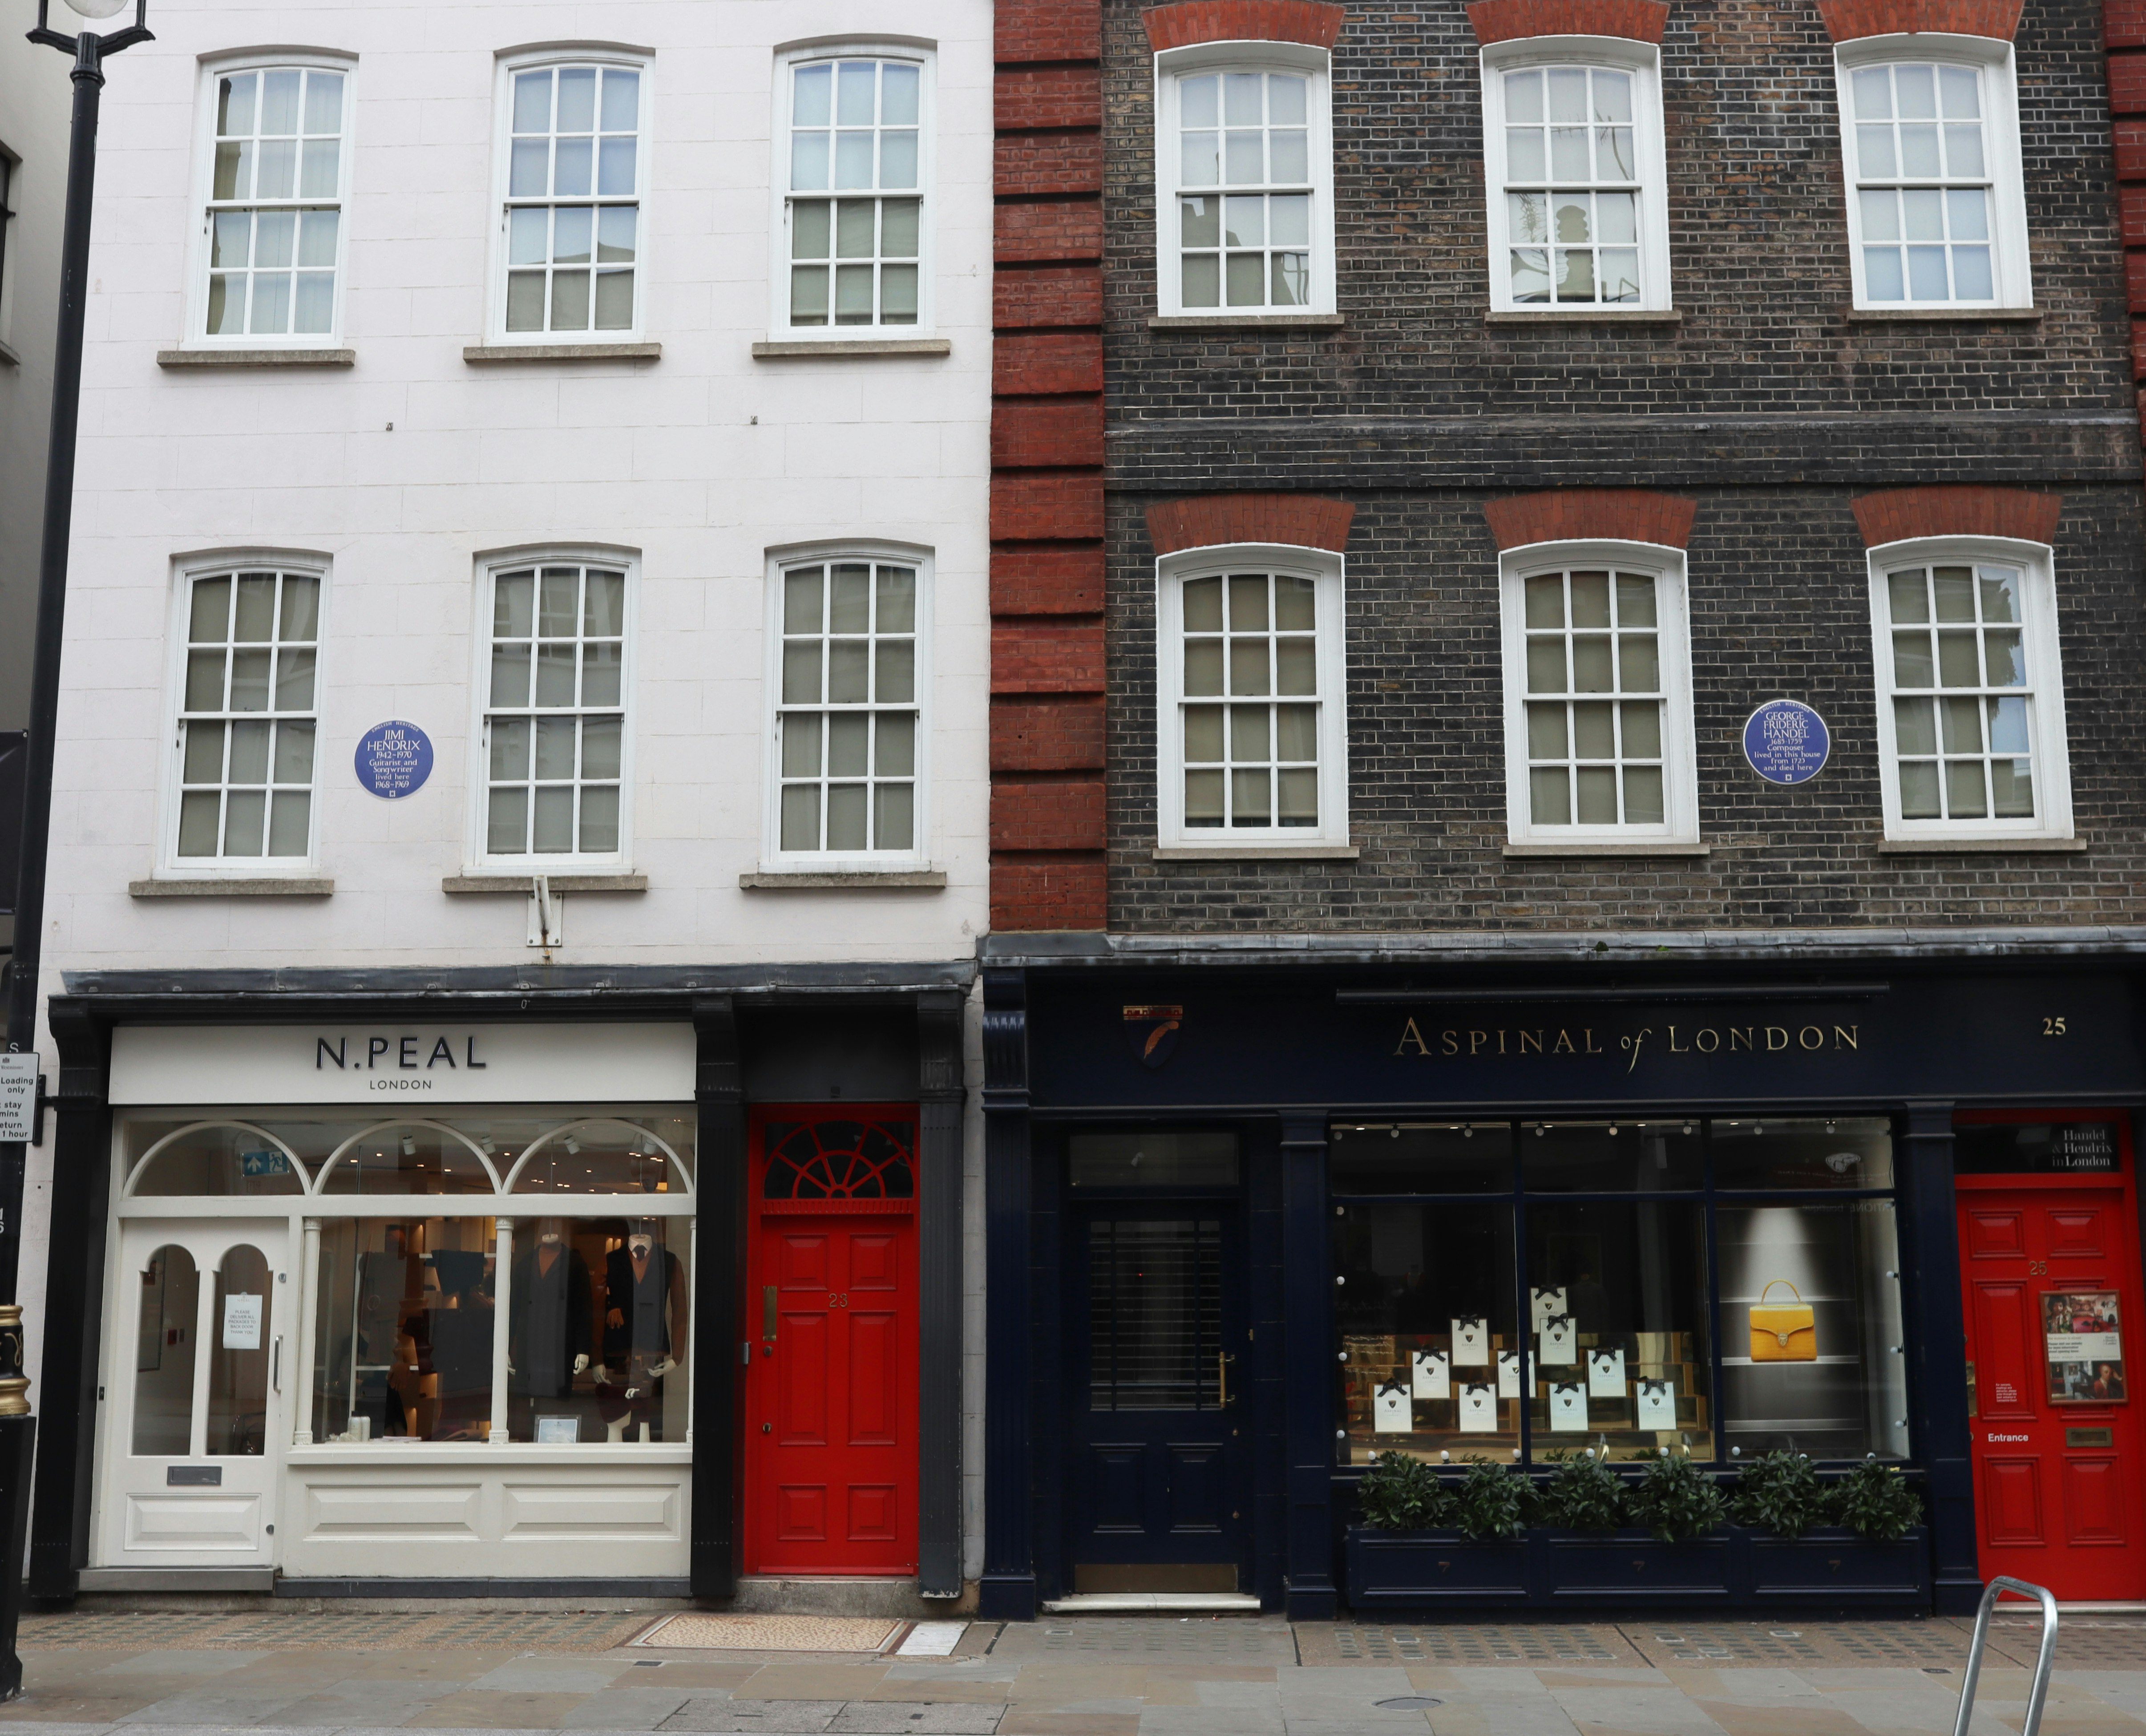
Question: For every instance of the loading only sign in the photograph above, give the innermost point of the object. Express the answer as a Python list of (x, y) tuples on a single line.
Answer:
[(1786, 741)]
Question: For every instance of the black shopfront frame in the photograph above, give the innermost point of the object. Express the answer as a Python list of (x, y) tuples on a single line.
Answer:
[(1279, 1046)]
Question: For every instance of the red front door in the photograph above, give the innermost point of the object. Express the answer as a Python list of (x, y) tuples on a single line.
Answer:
[(2050, 1275), (831, 1404)]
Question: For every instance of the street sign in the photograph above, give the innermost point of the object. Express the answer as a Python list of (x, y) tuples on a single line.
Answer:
[(18, 1098), (1786, 741), (394, 759)]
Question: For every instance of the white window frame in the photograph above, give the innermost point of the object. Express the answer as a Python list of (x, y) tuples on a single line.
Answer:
[(1173, 64), (2013, 273), (774, 859), (480, 858), (209, 563), (1328, 571), (197, 335), (2045, 678), (584, 54), (922, 54), (1644, 61), (1672, 628)]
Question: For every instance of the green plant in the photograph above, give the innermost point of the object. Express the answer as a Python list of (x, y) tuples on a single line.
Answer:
[(1401, 1493), (1874, 1501), (1676, 1500), (1780, 1492), (1582, 1493), (1489, 1502)]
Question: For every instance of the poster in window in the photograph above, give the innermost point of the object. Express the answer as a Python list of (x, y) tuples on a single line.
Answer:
[(1431, 1374), (1567, 1406), (1471, 1343), (1605, 1374), (1560, 1341), (1390, 1408), (2082, 1345), (1478, 1409), (1657, 1404)]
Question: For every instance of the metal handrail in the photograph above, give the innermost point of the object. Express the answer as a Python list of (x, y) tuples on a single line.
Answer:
[(2043, 1664)]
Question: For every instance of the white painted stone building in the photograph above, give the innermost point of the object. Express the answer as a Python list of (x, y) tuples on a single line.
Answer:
[(601, 395)]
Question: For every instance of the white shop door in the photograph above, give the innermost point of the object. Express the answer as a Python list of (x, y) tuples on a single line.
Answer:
[(200, 1354)]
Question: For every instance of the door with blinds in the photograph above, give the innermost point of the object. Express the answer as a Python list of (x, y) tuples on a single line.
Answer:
[(1156, 1333)]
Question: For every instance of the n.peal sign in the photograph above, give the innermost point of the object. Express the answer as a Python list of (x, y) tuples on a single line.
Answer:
[(421, 1062)]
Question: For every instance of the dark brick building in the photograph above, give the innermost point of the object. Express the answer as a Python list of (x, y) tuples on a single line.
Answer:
[(1368, 374)]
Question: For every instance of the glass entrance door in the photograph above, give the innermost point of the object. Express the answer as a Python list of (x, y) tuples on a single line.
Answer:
[(197, 1416)]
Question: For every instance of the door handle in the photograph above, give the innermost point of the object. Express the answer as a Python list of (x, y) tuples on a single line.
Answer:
[(768, 1292), (1971, 1409), (276, 1363), (1223, 1359)]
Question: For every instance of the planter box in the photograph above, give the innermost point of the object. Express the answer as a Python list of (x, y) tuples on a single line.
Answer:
[(1733, 1569)]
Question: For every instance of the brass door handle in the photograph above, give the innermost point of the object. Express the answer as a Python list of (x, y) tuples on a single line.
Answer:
[(768, 1294), (1222, 1361)]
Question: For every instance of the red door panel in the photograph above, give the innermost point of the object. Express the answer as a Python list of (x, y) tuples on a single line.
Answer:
[(829, 1411), (2061, 1486)]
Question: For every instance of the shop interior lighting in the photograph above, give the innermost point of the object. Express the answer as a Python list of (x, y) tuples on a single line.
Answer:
[(409, 1146)]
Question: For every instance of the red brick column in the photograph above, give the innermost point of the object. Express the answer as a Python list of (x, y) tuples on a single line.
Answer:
[(1047, 798)]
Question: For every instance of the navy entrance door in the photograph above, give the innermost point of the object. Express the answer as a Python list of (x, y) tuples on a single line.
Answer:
[(1153, 1376)]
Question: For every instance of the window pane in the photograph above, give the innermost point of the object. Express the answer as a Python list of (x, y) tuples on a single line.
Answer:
[(1831, 1152), (407, 1307), (1154, 1314), (1421, 1158), (1605, 1157), (167, 1318)]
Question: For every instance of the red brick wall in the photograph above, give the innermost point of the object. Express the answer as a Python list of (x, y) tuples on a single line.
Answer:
[(1893, 515), (1505, 21), (1848, 20), (1306, 521), (1612, 515), (1047, 737), (1243, 21)]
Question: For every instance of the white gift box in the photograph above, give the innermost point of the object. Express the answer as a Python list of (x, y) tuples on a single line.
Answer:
[(1567, 1406), (1431, 1374), (1657, 1404), (1560, 1341), (1605, 1374), (1479, 1410), (1390, 1413), (1471, 1343)]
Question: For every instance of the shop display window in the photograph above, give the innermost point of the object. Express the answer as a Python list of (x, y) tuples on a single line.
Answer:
[(1616, 1297), (217, 1160), (598, 1317), (598, 1157), (412, 1157), (406, 1313)]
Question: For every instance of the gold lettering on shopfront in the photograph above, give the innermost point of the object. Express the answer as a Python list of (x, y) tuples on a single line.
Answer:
[(1680, 1039)]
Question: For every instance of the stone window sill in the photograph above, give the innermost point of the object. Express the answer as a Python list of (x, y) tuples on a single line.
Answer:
[(522, 885), (256, 358), (1947, 315), (1256, 852), (1604, 847), (1584, 315), (299, 886), (1978, 846), (774, 349), (562, 352), (842, 879), (1246, 322)]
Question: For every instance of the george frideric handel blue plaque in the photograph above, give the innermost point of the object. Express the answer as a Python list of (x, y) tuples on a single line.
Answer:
[(1786, 741)]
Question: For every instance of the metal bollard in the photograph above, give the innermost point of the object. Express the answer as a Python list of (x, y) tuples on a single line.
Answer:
[(2043, 1664)]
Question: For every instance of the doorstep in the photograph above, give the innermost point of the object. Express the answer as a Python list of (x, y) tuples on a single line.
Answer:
[(1155, 1602), (177, 1578)]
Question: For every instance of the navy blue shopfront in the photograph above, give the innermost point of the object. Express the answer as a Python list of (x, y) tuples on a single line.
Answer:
[(1251, 1220)]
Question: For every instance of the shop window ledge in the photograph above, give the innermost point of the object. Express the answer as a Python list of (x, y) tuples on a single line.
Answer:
[(813, 879), (1606, 848), (1256, 852), (774, 349), (256, 358), (1977, 846), (562, 352), (295, 886), (523, 884)]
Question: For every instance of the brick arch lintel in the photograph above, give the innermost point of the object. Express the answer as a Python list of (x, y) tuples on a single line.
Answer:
[(1605, 515), (1316, 22), (1505, 20), (1957, 508), (1850, 21), (1212, 521)]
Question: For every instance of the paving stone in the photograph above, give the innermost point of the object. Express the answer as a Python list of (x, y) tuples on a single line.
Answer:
[(896, 1718), (795, 1717)]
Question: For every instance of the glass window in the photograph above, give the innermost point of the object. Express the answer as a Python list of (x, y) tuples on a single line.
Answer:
[(856, 206), (1154, 1159), (1252, 739), (572, 204), (1811, 1334), (1595, 699), (1924, 162), (1617, 1301), (242, 1326), (275, 203), (840, 1159), (409, 1157), (1573, 207), (849, 720), (1247, 189), (1967, 729), (1430, 1358), (1840, 1152), (1155, 1290), (222, 1161), (555, 722), (598, 1157), (598, 1319), (1421, 1158), (2038, 1148), (405, 1346), (1609, 1157), (168, 1316), (245, 739)]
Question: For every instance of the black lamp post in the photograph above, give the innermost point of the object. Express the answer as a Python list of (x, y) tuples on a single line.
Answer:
[(17, 1426)]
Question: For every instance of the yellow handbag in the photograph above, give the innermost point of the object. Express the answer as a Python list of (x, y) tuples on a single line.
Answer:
[(1784, 1332)]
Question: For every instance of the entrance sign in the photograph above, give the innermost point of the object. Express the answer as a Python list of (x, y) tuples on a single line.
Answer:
[(1786, 741), (18, 1097), (394, 759), (2083, 1343)]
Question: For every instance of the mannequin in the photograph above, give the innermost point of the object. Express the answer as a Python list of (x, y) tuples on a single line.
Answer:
[(549, 1329), (645, 1328)]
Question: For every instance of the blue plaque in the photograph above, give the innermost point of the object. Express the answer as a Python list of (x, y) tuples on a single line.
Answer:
[(1786, 741), (394, 759)]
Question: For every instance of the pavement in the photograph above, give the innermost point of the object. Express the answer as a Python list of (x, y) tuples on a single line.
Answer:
[(320, 1668)]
